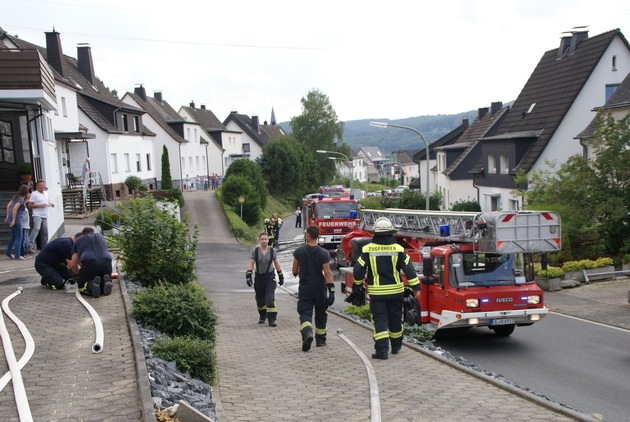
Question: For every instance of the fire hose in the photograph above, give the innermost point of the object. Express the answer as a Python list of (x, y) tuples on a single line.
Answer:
[(97, 347), (14, 373)]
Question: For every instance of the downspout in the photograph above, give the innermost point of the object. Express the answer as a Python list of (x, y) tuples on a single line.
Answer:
[(181, 174), (207, 163), (477, 187), (30, 138)]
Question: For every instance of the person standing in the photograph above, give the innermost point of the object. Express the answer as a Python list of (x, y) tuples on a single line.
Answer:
[(269, 229), (264, 259), (53, 262), (85, 171), (39, 203), (26, 226), (90, 253), (298, 217), (15, 212), (311, 263), (382, 260), (277, 225)]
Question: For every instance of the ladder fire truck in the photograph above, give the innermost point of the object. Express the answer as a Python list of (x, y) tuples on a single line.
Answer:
[(476, 269), (335, 218)]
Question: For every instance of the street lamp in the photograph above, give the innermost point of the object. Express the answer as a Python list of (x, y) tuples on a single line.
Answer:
[(347, 160), (426, 146)]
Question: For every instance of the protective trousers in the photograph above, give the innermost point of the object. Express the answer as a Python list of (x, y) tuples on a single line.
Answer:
[(310, 296), (265, 288), (53, 277), (387, 322)]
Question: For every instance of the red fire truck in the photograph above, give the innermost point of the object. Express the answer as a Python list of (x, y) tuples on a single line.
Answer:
[(335, 218), (476, 269)]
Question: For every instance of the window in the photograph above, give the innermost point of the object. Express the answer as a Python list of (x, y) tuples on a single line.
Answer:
[(492, 165), (495, 203), (138, 163), (197, 161), (504, 163), (614, 63), (127, 163), (64, 108), (114, 162), (195, 134), (125, 123), (136, 124), (190, 164), (610, 89), (183, 164), (149, 162), (188, 134)]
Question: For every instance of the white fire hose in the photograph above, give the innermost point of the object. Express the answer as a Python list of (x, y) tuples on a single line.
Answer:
[(97, 347), (24, 411)]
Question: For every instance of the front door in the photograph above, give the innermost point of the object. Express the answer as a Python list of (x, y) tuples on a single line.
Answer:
[(12, 151)]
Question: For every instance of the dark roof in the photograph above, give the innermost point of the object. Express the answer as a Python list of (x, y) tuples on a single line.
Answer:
[(551, 90), (619, 99), (262, 136), (162, 113), (206, 119), (447, 139)]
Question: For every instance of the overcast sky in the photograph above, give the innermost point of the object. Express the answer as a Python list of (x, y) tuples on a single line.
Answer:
[(374, 59)]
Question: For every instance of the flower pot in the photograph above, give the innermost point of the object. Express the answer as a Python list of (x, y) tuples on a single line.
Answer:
[(549, 284), (26, 178)]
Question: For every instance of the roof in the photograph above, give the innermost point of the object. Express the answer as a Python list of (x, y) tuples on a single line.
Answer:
[(162, 113), (374, 154), (206, 119), (262, 136), (447, 139), (551, 90), (619, 99)]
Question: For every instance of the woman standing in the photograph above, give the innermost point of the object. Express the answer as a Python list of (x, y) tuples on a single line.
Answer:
[(15, 212)]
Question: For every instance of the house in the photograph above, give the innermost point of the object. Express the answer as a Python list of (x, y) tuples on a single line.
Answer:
[(407, 168), (374, 160), (541, 126), (247, 137), (211, 134), (360, 168)]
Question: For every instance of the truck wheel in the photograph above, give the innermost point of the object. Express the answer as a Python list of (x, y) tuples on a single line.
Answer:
[(503, 330), (411, 311)]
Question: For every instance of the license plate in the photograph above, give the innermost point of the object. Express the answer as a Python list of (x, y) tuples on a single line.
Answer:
[(502, 321)]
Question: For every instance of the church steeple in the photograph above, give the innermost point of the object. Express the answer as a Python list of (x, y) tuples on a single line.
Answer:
[(273, 117)]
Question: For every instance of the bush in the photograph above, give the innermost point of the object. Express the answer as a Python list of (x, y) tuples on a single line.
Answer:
[(362, 312), (189, 354), (466, 206), (155, 246), (550, 272), (625, 259), (133, 183), (372, 203), (235, 187), (419, 332), (176, 310), (108, 219), (252, 172), (586, 264)]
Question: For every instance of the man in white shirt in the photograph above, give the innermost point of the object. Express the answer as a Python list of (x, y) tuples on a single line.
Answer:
[(39, 203)]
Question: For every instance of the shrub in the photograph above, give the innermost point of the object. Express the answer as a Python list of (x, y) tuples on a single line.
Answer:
[(155, 246), (107, 219), (586, 264), (252, 172), (235, 187), (625, 259), (466, 206), (176, 310), (550, 272), (189, 354), (133, 183), (419, 332), (362, 312), (371, 203)]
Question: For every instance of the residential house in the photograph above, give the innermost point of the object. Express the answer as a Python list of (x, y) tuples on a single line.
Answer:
[(247, 137), (374, 160), (360, 168), (407, 168), (182, 138), (211, 134), (541, 126)]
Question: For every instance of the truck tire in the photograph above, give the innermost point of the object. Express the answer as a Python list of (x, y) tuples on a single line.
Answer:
[(503, 330), (411, 311)]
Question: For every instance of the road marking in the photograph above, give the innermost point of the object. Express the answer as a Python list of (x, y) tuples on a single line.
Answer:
[(375, 401), (614, 327)]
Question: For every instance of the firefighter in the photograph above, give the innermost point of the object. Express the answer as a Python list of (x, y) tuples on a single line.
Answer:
[(270, 230), (311, 263), (264, 282), (277, 225), (381, 261)]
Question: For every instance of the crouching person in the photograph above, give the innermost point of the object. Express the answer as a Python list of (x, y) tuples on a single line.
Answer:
[(93, 262), (53, 261)]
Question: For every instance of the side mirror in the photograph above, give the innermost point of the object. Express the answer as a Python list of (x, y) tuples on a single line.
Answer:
[(427, 280), (427, 267)]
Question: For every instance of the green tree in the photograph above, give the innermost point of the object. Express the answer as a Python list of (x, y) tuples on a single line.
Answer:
[(317, 128), (282, 164), (167, 182), (253, 173), (133, 183), (466, 206), (233, 188)]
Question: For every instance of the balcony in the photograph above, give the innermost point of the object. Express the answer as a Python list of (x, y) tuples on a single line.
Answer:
[(26, 78)]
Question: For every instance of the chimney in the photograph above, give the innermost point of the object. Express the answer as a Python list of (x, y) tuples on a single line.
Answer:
[(255, 124), (579, 34), (141, 92), (465, 122), (192, 105), (84, 62), (203, 106), (157, 95), (482, 112), (495, 106), (54, 53)]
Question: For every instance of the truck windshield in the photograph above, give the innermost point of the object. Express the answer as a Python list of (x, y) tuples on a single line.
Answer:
[(335, 209), (470, 269)]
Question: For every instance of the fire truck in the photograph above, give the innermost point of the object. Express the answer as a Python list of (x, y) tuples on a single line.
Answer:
[(476, 269), (335, 217)]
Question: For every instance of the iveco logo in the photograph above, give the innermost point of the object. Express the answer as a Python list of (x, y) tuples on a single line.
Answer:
[(504, 299)]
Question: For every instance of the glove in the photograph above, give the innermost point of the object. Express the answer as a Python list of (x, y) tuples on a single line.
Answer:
[(248, 278), (331, 294), (357, 297), (280, 278)]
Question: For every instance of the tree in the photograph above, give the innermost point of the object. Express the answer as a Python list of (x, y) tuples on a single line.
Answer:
[(317, 128), (233, 188), (167, 182), (253, 173), (282, 163)]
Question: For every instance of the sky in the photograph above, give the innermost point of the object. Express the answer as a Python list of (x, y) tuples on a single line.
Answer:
[(373, 59)]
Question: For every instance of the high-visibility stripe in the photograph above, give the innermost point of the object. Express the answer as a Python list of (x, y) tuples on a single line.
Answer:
[(397, 334), (305, 324), (381, 335), (321, 330)]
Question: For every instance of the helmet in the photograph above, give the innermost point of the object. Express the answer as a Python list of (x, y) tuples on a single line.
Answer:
[(267, 221), (383, 225)]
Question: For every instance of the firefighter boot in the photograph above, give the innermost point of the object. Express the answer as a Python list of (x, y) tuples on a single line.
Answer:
[(263, 316), (379, 355), (396, 345), (307, 338), (271, 316), (320, 340)]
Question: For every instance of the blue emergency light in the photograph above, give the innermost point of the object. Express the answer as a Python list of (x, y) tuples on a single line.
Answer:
[(445, 230)]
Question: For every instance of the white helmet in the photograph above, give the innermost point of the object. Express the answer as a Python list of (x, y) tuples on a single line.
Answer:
[(383, 225), (267, 221)]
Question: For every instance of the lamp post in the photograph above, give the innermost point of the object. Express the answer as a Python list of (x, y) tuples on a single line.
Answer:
[(426, 146), (347, 160)]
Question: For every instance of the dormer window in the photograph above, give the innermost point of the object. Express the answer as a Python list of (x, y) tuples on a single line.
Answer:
[(610, 89), (136, 124)]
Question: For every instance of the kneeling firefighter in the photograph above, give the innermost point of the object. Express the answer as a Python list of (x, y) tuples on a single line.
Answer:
[(264, 281), (380, 263)]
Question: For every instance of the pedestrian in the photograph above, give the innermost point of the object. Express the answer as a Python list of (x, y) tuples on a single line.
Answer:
[(311, 263), (271, 232), (39, 203), (89, 253), (16, 208), (277, 225), (382, 260), (85, 171), (53, 262), (265, 259), (26, 226), (298, 217), (205, 182)]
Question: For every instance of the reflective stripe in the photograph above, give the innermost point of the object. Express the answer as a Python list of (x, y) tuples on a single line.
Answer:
[(395, 335), (381, 335), (321, 330), (305, 324), (262, 308)]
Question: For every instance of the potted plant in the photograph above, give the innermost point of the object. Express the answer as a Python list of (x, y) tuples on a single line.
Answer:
[(25, 170), (575, 269), (549, 279)]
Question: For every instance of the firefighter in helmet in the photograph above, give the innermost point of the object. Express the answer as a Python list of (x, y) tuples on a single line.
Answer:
[(270, 230), (380, 263)]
